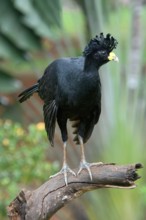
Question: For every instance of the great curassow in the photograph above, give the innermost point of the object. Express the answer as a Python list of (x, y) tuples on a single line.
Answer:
[(71, 89)]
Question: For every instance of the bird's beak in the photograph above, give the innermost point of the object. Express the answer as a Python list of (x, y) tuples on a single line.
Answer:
[(112, 56)]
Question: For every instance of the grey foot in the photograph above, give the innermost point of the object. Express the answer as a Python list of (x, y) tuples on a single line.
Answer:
[(85, 165), (65, 169)]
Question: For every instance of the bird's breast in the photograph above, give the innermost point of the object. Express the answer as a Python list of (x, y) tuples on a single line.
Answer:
[(79, 97)]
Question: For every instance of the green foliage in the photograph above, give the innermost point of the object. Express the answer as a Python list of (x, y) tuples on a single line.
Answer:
[(23, 24), (22, 160), (13, 29), (143, 195), (40, 16)]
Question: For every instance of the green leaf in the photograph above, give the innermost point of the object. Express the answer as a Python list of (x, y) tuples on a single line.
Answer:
[(50, 11), (9, 50), (32, 18), (12, 27)]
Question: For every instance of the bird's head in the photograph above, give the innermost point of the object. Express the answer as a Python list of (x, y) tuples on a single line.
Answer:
[(100, 49)]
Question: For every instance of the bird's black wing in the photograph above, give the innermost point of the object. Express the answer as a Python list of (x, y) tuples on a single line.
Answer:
[(50, 113), (90, 123), (47, 91)]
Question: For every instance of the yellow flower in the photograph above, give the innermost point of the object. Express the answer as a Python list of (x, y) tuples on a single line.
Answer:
[(19, 131), (40, 126), (5, 142)]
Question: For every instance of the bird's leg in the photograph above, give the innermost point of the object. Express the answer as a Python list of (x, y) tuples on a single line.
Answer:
[(83, 163), (65, 168)]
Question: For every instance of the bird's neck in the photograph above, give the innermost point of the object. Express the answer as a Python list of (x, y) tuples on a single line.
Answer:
[(90, 64)]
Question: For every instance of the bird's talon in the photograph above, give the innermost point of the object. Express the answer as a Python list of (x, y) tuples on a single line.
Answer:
[(65, 178), (90, 174), (85, 165), (65, 169)]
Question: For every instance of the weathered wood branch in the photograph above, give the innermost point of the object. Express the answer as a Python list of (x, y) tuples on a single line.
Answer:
[(43, 202)]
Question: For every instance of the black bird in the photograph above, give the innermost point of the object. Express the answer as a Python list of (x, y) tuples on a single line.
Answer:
[(71, 89)]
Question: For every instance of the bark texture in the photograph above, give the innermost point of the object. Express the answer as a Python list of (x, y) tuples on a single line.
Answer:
[(45, 201)]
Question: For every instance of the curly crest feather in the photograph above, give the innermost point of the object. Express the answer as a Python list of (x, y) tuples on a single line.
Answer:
[(107, 43)]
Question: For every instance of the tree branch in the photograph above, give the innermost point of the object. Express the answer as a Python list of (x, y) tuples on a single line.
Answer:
[(43, 202)]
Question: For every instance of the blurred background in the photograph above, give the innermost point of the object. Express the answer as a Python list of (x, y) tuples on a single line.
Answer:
[(32, 34)]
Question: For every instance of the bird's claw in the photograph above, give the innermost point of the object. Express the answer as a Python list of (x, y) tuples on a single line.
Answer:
[(65, 169), (85, 165)]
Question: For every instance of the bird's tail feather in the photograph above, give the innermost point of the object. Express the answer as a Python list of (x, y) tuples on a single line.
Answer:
[(28, 92)]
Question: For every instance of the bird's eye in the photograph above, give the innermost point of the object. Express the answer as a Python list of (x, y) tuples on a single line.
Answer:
[(103, 53), (100, 54)]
